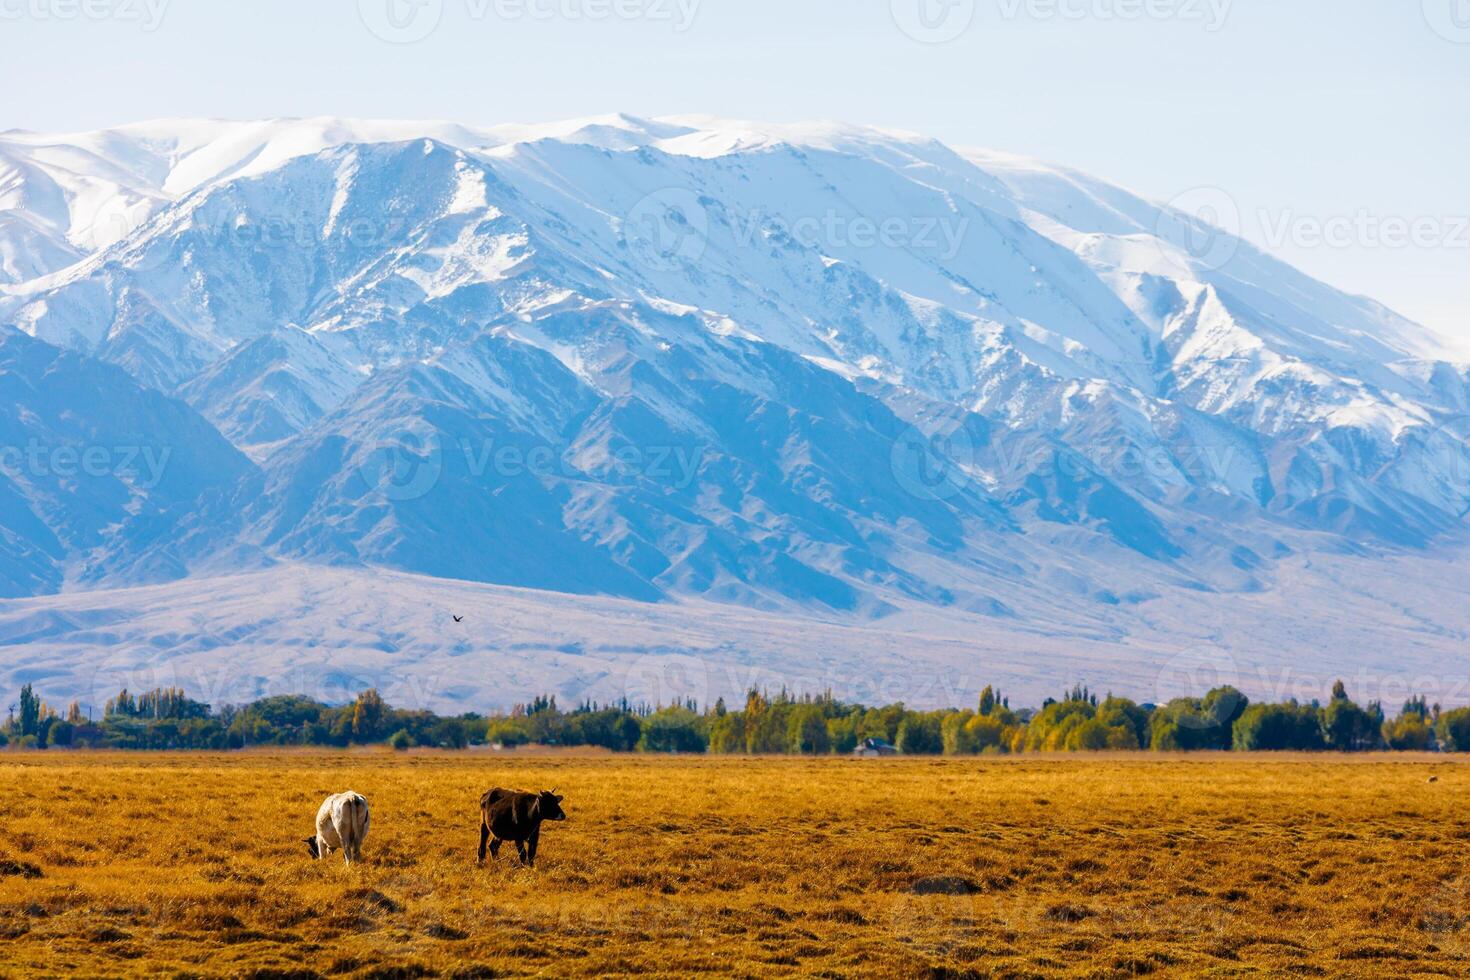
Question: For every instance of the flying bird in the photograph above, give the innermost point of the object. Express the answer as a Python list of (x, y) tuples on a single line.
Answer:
[(457, 619)]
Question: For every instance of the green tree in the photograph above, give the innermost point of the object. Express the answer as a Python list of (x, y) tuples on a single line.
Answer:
[(123, 704), (449, 734), (672, 730), (956, 736), (1348, 728), (921, 734), (1278, 728), (507, 732), (807, 731), (727, 733), (367, 716), (547, 725), (30, 711), (988, 733), (765, 723), (1408, 733), (1164, 736), (1453, 729), (1050, 727), (610, 728), (1128, 722), (60, 734), (1197, 724), (1418, 706), (842, 732), (281, 720)]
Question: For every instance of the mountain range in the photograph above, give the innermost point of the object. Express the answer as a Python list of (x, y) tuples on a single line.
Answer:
[(908, 403)]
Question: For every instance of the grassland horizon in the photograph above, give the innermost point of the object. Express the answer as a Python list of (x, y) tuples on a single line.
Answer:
[(191, 864)]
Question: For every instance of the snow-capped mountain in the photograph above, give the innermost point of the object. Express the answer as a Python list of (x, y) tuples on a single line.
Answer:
[(796, 368)]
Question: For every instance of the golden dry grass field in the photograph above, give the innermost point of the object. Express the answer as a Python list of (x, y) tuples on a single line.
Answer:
[(192, 865)]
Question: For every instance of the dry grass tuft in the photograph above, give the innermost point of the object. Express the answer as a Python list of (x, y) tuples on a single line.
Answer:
[(118, 865)]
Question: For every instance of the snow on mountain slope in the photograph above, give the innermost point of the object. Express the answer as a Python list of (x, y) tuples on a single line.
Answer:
[(92, 189), (268, 389), (792, 368), (1232, 318), (329, 633), (91, 457)]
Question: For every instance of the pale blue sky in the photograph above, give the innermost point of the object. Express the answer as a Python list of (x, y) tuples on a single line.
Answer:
[(1352, 113)]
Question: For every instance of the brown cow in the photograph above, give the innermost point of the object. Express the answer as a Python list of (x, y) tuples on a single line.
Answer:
[(506, 815)]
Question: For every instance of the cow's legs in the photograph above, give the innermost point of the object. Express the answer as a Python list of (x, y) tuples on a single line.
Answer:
[(521, 850), (495, 848), (484, 837), (531, 846)]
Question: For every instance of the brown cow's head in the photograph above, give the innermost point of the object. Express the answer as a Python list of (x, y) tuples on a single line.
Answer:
[(549, 805), (311, 847)]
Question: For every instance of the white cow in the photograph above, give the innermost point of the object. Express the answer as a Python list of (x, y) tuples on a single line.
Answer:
[(342, 822)]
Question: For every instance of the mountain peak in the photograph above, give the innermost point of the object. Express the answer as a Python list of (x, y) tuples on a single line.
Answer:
[(857, 368)]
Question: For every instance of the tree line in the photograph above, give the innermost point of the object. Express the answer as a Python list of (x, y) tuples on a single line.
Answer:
[(766, 724)]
